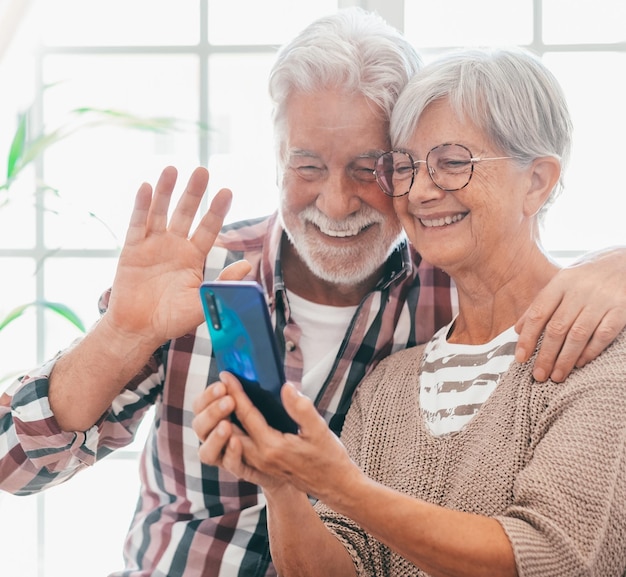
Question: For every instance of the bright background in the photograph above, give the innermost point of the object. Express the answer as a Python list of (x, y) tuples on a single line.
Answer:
[(205, 64)]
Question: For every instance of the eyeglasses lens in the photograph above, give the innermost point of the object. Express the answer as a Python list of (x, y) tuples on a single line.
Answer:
[(394, 173), (450, 166)]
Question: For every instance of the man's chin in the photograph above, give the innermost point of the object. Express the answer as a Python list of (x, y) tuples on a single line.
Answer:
[(346, 270), (347, 264)]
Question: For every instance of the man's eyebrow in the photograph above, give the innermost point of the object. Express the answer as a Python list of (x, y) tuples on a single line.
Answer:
[(301, 152), (370, 154)]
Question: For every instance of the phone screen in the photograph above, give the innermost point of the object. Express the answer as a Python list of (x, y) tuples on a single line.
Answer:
[(244, 344)]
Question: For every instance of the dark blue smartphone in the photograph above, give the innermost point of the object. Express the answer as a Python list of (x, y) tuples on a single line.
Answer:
[(244, 344)]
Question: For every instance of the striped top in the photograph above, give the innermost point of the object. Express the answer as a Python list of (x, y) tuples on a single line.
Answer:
[(456, 379)]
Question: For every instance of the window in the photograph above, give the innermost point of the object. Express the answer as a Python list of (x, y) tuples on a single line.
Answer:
[(205, 64)]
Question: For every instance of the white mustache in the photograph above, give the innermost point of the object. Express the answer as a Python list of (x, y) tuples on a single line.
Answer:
[(350, 226)]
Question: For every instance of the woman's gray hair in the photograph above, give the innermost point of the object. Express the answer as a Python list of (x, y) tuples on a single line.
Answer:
[(507, 93), (353, 50)]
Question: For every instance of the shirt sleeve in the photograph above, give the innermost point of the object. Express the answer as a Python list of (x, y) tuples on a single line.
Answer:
[(36, 454)]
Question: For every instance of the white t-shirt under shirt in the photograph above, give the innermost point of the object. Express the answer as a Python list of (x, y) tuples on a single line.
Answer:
[(457, 379), (323, 329)]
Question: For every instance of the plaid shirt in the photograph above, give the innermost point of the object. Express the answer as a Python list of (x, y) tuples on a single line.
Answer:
[(192, 519)]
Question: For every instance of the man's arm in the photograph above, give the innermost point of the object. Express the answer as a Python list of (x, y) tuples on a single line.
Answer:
[(154, 298), (582, 310), (36, 454)]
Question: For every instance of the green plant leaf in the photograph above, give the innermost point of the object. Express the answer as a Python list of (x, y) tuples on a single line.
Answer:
[(24, 150), (17, 146), (59, 308), (125, 120)]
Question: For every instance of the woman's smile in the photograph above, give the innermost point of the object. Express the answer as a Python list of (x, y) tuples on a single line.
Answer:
[(443, 220)]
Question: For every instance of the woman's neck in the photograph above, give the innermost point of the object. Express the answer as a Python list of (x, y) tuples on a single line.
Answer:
[(490, 303)]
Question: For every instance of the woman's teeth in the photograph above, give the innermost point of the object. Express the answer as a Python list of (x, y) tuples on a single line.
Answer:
[(444, 221)]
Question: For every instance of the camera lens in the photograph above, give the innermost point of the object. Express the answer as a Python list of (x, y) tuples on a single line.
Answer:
[(213, 312)]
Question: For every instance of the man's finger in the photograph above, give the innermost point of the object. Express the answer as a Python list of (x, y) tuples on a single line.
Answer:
[(605, 334), (564, 345), (211, 223), (157, 217), (532, 324), (188, 204), (235, 271), (139, 217)]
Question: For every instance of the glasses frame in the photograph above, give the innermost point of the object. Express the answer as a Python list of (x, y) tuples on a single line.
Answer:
[(415, 165)]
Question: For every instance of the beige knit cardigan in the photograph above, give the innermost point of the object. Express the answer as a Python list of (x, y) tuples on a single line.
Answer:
[(547, 460)]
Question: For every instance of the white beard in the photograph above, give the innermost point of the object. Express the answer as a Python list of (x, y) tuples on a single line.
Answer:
[(345, 265)]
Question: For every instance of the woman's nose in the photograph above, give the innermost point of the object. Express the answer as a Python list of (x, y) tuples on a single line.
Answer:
[(424, 188)]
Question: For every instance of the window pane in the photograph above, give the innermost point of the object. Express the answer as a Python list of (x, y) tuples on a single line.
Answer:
[(17, 213), (119, 22), (18, 340), (87, 520), (19, 537), (584, 21), (254, 22), (90, 277), (588, 215), (462, 23), (98, 169), (242, 146)]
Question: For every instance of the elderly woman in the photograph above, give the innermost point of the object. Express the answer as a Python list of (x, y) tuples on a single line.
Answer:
[(456, 461)]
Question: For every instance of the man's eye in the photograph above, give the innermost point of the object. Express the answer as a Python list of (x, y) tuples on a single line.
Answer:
[(308, 171), (364, 173)]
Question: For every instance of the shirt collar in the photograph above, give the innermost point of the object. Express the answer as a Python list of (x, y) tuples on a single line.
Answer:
[(398, 265)]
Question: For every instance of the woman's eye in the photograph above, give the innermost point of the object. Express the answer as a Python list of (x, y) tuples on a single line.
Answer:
[(403, 169), (453, 165)]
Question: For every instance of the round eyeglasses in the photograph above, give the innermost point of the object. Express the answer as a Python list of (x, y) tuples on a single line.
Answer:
[(450, 167)]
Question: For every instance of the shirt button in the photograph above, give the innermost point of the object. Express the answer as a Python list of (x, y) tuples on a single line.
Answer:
[(290, 346)]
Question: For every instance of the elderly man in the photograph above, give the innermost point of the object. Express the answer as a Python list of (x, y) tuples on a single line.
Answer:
[(344, 288)]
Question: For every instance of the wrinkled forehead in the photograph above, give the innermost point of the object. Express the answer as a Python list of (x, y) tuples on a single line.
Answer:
[(332, 124)]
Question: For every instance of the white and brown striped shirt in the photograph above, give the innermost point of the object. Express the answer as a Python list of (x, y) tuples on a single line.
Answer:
[(456, 379)]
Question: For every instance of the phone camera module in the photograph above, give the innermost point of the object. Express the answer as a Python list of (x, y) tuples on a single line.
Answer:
[(214, 315)]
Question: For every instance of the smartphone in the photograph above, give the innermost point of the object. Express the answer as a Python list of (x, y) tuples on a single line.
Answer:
[(243, 343)]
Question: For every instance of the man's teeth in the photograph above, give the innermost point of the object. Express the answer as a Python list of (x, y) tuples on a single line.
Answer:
[(442, 221), (340, 233)]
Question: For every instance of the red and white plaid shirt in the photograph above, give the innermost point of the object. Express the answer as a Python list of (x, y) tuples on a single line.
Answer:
[(192, 519)]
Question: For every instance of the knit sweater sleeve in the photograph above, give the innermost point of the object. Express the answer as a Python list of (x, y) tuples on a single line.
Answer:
[(368, 554), (568, 515)]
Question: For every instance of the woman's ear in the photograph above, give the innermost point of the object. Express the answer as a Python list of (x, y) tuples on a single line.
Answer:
[(544, 176)]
